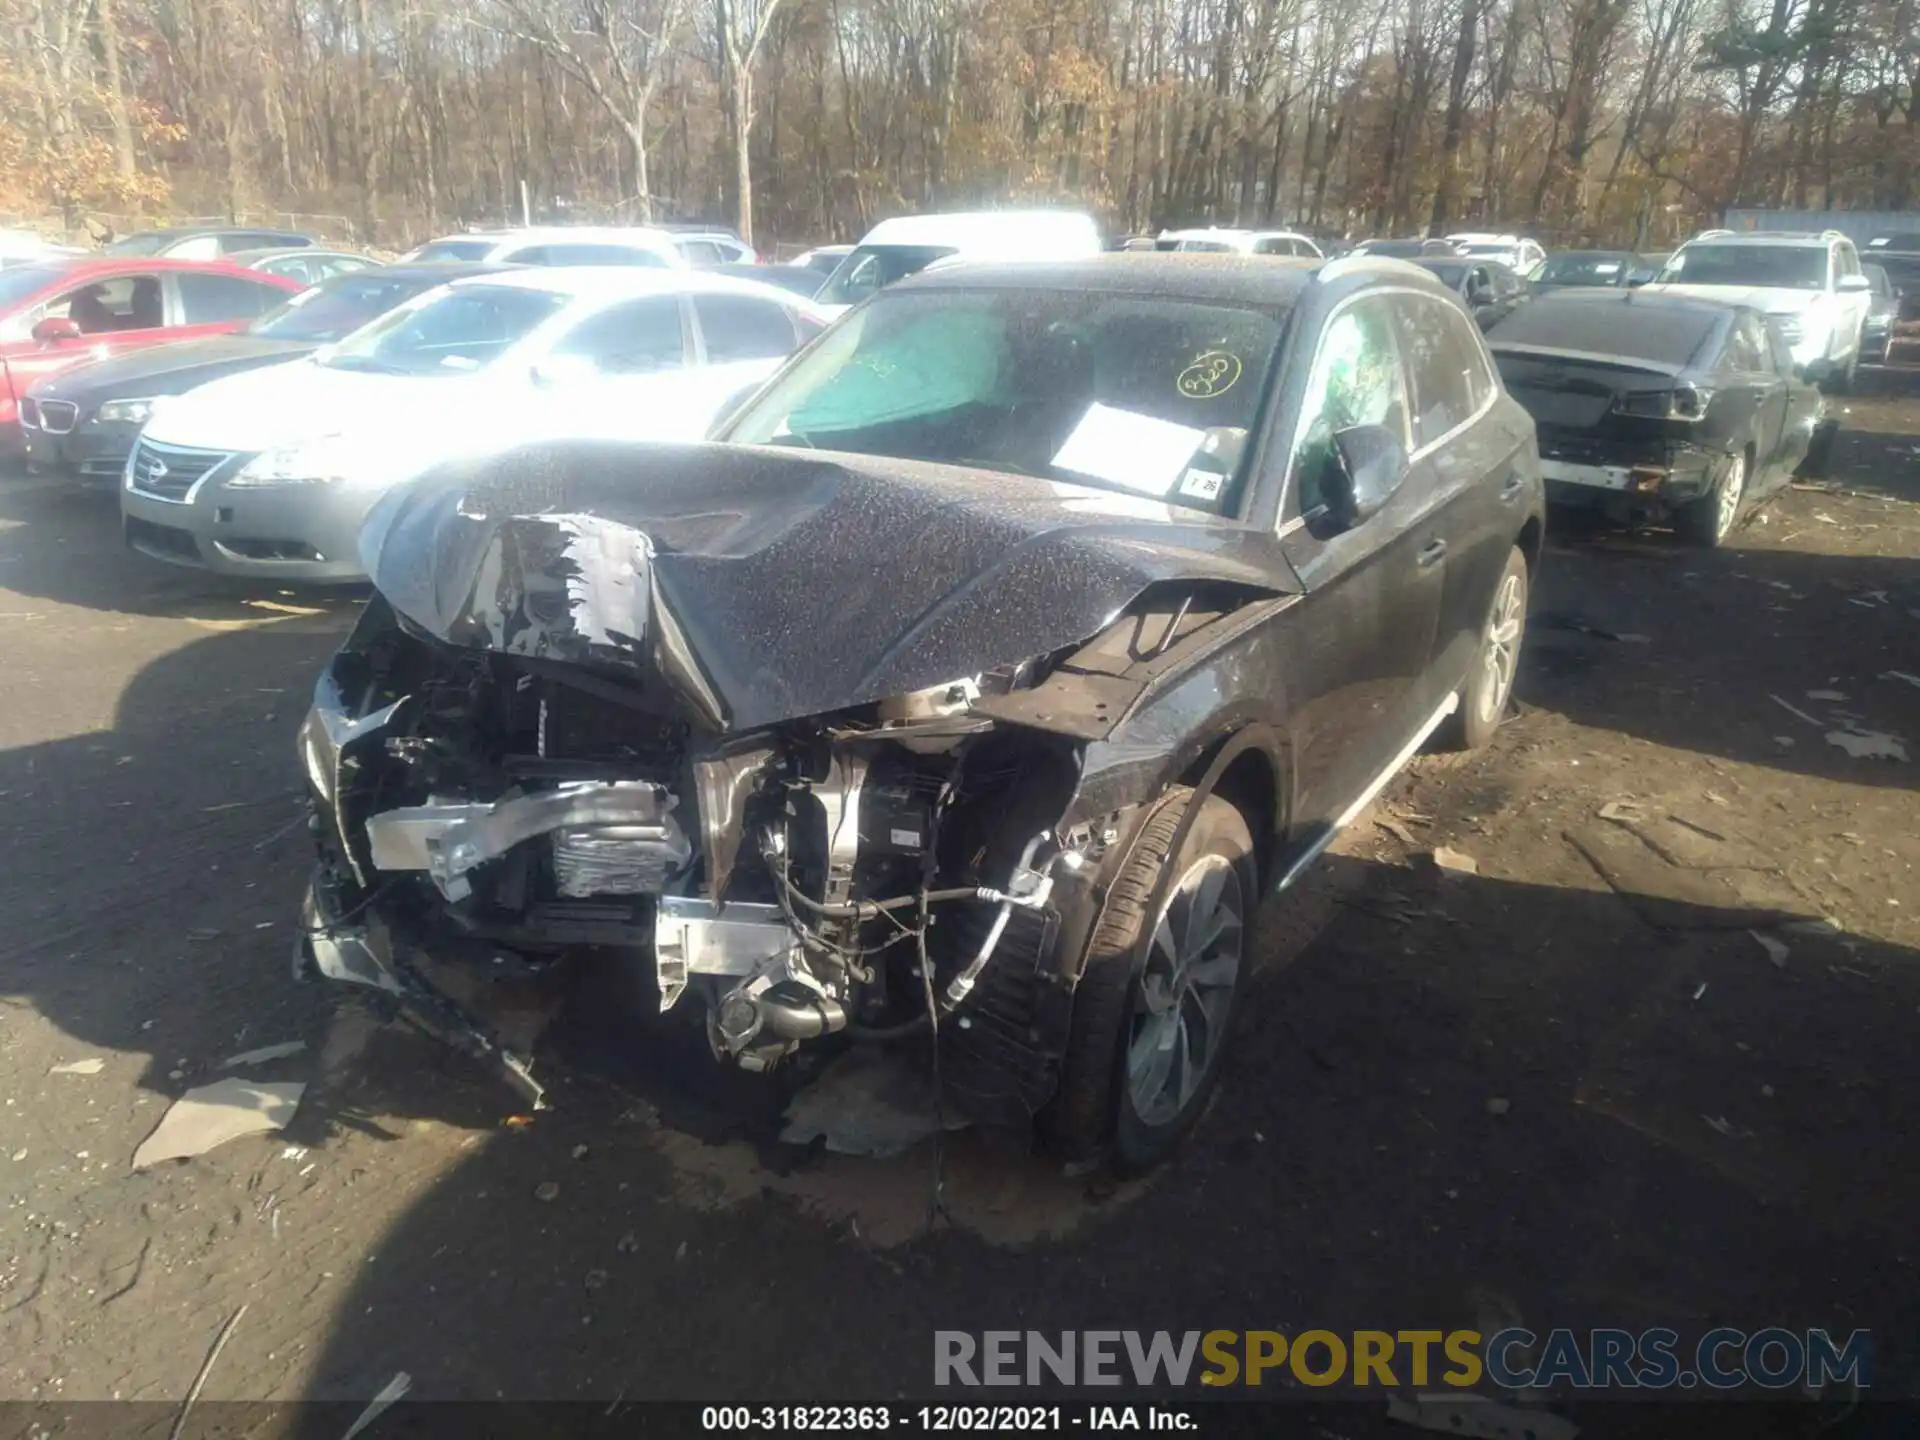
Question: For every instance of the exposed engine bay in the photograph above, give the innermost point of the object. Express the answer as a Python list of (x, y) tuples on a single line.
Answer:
[(554, 773)]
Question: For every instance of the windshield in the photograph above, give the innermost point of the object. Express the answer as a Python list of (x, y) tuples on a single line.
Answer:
[(335, 309), (453, 250), (1772, 267), (1448, 275), (874, 267), (1586, 270), (150, 243), (1143, 394), (454, 333), (1392, 248), (24, 280)]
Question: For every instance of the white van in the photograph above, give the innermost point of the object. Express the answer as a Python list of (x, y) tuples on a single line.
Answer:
[(895, 249)]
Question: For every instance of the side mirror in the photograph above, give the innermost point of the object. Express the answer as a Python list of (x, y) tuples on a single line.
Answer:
[(56, 330), (1369, 462), (1853, 284)]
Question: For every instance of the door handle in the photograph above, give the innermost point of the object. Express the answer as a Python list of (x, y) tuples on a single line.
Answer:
[(1432, 553)]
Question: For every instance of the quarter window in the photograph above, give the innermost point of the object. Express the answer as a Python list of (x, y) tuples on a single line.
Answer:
[(1444, 361), (1356, 380)]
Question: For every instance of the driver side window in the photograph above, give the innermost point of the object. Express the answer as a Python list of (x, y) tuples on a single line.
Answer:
[(1357, 379)]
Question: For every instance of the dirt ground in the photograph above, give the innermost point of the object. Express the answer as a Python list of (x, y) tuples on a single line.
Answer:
[(1574, 1088)]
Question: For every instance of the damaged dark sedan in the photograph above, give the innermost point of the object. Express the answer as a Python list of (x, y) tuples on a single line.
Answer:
[(1025, 631), (1660, 408)]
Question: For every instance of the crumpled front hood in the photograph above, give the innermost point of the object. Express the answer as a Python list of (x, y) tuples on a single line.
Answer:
[(768, 584), (169, 369)]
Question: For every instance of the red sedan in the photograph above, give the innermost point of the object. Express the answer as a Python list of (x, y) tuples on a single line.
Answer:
[(61, 313)]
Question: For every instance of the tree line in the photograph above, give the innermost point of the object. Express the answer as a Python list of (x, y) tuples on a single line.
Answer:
[(1607, 121)]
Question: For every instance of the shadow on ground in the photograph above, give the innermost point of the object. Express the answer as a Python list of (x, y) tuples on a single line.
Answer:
[(1469, 1103)]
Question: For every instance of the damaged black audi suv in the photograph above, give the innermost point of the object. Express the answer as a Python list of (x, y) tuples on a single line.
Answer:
[(969, 691)]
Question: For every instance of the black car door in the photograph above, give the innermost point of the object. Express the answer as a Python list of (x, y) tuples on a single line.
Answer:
[(1473, 454), (1802, 409), (1363, 637), (1749, 361)]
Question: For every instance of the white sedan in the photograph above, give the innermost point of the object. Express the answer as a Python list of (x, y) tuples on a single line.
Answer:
[(270, 473)]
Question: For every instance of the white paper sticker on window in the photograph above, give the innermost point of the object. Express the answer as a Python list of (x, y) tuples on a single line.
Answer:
[(1202, 484), (1128, 449), (908, 839), (1609, 268)]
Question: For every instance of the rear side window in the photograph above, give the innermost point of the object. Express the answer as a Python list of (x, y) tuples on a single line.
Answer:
[(1445, 369), (701, 252), (738, 327), (259, 240), (638, 337), (215, 299)]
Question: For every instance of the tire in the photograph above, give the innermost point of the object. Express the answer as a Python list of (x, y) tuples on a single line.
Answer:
[(1489, 684), (1107, 1103), (1708, 521)]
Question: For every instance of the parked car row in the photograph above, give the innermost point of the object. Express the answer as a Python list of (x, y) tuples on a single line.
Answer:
[(734, 644)]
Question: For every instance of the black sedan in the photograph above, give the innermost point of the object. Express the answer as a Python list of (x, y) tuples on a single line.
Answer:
[(90, 416), (1658, 407), (1031, 627), (1490, 291)]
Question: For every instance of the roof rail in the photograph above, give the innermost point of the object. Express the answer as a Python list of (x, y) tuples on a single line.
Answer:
[(1712, 234), (1831, 234)]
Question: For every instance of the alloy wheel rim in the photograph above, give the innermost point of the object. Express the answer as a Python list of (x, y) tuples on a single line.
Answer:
[(1730, 491), (1185, 995), (1502, 650)]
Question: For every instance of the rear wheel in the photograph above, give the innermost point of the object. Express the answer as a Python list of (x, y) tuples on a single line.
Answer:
[(1154, 1005), (1710, 519), (1489, 685)]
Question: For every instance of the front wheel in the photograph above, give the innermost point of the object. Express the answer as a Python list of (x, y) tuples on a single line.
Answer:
[(1155, 1000), (1709, 520), (1842, 381), (1489, 685)]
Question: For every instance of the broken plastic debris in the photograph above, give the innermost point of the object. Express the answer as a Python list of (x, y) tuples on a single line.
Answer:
[(394, 1390), (546, 1190), (211, 1115), (91, 1066), (1785, 741), (1398, 831), (1478, 1416), (264, 1054), (1457, 862), (1869, 744), (1720, 1124), (1777, 950), (1622, 810), (1822, 926)]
